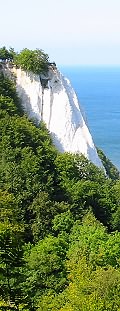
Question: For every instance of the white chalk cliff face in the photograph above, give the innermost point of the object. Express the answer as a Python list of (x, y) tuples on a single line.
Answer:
[(57, 105)]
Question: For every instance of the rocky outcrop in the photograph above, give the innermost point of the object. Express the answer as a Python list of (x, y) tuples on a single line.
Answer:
[(51, 98)]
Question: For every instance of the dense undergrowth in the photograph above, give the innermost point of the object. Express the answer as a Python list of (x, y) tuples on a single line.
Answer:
[(59, 221)]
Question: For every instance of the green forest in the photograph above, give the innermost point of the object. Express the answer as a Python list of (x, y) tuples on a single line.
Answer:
[(59, 220)]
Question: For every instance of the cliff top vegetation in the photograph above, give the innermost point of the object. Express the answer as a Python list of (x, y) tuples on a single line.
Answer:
[(59, 221), (31, 60)]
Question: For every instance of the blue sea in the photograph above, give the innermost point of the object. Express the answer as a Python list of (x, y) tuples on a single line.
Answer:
[(98, 91)]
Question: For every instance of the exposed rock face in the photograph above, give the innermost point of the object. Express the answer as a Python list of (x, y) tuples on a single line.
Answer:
[(52, 99)]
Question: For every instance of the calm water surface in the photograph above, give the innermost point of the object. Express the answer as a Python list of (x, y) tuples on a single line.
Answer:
[(98, 91)]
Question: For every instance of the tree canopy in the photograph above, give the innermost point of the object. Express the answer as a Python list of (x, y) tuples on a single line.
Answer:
[(7, 55), (59, 220), (33, 60), (36, 61)]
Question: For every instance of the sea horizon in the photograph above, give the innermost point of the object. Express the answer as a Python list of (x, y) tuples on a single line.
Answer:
[(98, 92)]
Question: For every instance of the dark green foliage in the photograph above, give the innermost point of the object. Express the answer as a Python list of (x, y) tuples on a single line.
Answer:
[(7, 92), (5, 54), (42, 212), (12, 54), (85, 186), (11, 261), (54, 254), (7, 106), (27, 155), (111, 170)]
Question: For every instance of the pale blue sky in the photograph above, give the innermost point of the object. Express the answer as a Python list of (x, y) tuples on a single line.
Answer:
[(70, 31)]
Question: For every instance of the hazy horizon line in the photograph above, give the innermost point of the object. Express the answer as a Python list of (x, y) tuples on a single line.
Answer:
[(88, 65)]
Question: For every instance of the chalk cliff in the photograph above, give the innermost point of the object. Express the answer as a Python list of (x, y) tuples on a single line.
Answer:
[(52, 99)]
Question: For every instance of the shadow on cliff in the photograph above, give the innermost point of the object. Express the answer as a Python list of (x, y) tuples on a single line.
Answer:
[(27, 106), (33, 77)]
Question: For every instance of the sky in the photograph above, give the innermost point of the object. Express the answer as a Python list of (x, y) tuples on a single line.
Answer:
[(72, 32)]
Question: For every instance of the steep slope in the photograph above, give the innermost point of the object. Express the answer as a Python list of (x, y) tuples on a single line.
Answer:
[(52, 99)]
